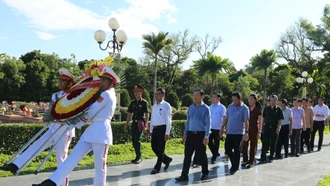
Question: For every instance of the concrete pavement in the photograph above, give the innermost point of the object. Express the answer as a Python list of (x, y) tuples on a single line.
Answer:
[(305, 170)]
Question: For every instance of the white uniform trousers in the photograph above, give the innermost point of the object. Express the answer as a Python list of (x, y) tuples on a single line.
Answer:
[(79, 151), (61, 151)]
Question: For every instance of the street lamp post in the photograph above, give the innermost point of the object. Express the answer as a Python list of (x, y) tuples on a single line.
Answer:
[(118, 39), (302, 80)]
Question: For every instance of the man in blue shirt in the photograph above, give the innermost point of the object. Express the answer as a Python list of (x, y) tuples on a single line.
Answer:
[(235, 122), (196, 135), (218, 111)]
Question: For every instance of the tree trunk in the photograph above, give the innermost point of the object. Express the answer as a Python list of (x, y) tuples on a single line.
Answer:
[(212, 82), (155, 80), (265, 84)]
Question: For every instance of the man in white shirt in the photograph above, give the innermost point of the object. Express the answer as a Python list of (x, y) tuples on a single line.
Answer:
[(160, 127), (218, 111), (321, 112)]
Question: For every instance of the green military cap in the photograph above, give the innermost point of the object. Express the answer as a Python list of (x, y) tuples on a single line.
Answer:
[(138, 87)]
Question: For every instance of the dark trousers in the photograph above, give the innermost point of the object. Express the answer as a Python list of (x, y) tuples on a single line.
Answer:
[(317, 126), (305, 139), (253, 139), (233, 148), (283, 140), (136, 139), (269, 139), (158, 145), (214, 143), (194, 143), (295, 141)]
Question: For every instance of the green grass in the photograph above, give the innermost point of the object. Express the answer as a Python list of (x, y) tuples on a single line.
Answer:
[(117, 154), (325, 181)]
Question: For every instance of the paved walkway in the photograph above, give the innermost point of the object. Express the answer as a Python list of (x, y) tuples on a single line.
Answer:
[(303, 171)]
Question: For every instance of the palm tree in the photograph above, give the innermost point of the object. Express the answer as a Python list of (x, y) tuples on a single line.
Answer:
[(212, 65), (264, 61), (155, 43)]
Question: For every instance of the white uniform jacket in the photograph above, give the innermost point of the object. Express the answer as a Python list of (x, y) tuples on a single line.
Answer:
[(100, 115), (54, 127)]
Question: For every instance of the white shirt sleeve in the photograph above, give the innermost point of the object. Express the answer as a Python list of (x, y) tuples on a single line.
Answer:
[(168, 118)]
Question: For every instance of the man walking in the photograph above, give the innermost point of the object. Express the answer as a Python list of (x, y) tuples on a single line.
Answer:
[(66, 80), (97, 137), (140, 110), (321, 112), (236, 124), (286, 129), (218, 111), (160, 127), (273, 117), (196, 135), (305, 136), (298, 123)]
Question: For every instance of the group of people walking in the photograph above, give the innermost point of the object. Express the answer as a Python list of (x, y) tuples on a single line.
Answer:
[(241, 125)]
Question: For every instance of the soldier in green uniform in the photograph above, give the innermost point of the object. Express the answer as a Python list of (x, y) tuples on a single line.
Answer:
[(140, 110), (272, 117)]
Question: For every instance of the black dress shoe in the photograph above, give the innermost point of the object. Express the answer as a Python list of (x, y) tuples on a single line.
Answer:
[(218, 154), (243, 164), (297, 155), (232, 172), (138, 161), (154, 171), (261, 159), (319, 149), (212, 162), (204, 177), (167, 164), (133, 161), (10, 167), (46, 183), (182, 178)]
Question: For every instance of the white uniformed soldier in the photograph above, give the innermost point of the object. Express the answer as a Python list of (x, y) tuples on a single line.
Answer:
[(66, 80), (97, 137)]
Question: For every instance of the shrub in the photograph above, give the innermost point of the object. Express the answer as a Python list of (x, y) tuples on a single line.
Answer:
[(187, 100), (173, 99), (125, 100), (14, 136), (123, 111), (207, 100), (173, 110), (146, 96), (37, 115), (180, 115)]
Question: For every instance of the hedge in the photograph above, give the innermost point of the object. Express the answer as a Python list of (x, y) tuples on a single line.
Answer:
[(180, 115), (14, 136), (207, 100)]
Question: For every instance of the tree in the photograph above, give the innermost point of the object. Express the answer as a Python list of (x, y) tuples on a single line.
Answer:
[(212, 65), (242, 85), (37, 74), (282, 81), (155, 43), (208, 45), (187, 82), (177, 53), (207, 100), (12, 78), (264, 61)]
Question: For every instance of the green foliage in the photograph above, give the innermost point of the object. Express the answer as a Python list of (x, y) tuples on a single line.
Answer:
[(22, 106), (242, 85), (14, 136), (146, 96), (125, 99), (180, 115), (207, 100), (184, 108), (123, 111), (173, 99), (187, 100)]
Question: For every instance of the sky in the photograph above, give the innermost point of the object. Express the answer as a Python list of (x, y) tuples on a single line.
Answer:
[(67, 27)]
